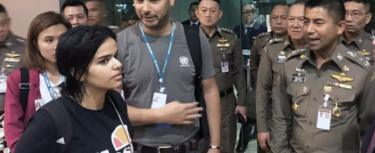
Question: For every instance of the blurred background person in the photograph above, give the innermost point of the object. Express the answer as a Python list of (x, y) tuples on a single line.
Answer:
[(44, 78), (249, 28), (75, 12), (193, 19), (97, 12), (11, 50), (357, 16)]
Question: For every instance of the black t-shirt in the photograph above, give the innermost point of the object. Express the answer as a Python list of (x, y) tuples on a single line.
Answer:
[(93, 131)]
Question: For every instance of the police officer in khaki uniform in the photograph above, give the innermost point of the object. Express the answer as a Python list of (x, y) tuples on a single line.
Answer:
[(228, 61), (320, 88), (355, 37), (11, 49), (278, 24), (368, 115), (274, 56)]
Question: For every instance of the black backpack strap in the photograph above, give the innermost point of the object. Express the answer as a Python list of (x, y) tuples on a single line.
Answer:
[(194, 45), (62, 122), (24, 87)]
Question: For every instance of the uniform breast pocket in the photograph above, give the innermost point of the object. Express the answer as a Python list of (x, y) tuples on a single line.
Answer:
[(225, 55), (298, 93), (343, 107)]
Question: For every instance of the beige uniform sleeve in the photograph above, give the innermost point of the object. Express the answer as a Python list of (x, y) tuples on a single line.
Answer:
[(263, 92), (281, 118), (238, 73), (367, 105)]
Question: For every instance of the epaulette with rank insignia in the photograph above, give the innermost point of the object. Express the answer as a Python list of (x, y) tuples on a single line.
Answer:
[(21, 40), (299, 52), (263, 34), (226, 30), (275, 40), (357, 58)]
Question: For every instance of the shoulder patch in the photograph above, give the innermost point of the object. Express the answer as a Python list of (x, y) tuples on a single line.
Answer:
[(299, 52), (357, 58)]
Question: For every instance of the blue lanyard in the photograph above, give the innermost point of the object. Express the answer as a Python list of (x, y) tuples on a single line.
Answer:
[(153, 58), (51, 91)]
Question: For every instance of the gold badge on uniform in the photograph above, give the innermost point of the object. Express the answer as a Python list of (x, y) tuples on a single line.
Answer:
[(341, 85), (12, 57), (364, 52), (223, 44), (295, 106), (341, 77), (336, 110)]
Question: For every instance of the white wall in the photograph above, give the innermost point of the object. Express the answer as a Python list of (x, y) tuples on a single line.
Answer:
[(22, 12)]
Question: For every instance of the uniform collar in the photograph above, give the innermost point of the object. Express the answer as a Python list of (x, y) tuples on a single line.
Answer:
[(357, 41), (337, 57), (8, 42), (218, 31)]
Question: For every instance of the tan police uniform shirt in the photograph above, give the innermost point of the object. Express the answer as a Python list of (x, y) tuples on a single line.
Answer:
[(275, 54), (302, 88), (362, 44), (11, 51), (226, 47), (367, 102), (257, 51)]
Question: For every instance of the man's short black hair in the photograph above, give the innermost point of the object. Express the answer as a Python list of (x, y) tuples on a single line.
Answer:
[(280, 4), (298, 2), (335, 8), (2, 9), (366, 3), (218, 1), (68, 3), (192, 4)]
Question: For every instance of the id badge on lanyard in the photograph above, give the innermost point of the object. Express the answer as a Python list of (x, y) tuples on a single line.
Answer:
[(3, 81), (224, 63), (324, 115), (159, 99)]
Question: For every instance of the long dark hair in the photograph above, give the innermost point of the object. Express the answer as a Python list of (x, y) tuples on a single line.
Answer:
[(75, 50)]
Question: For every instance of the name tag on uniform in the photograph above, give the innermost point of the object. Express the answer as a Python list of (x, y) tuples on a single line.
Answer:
[(298, 78), (159, 100), (324, 119), (39, 103), (3, 85)]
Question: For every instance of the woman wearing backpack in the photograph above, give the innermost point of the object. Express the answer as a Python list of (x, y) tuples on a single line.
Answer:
[(90, 116), (41, 77)]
